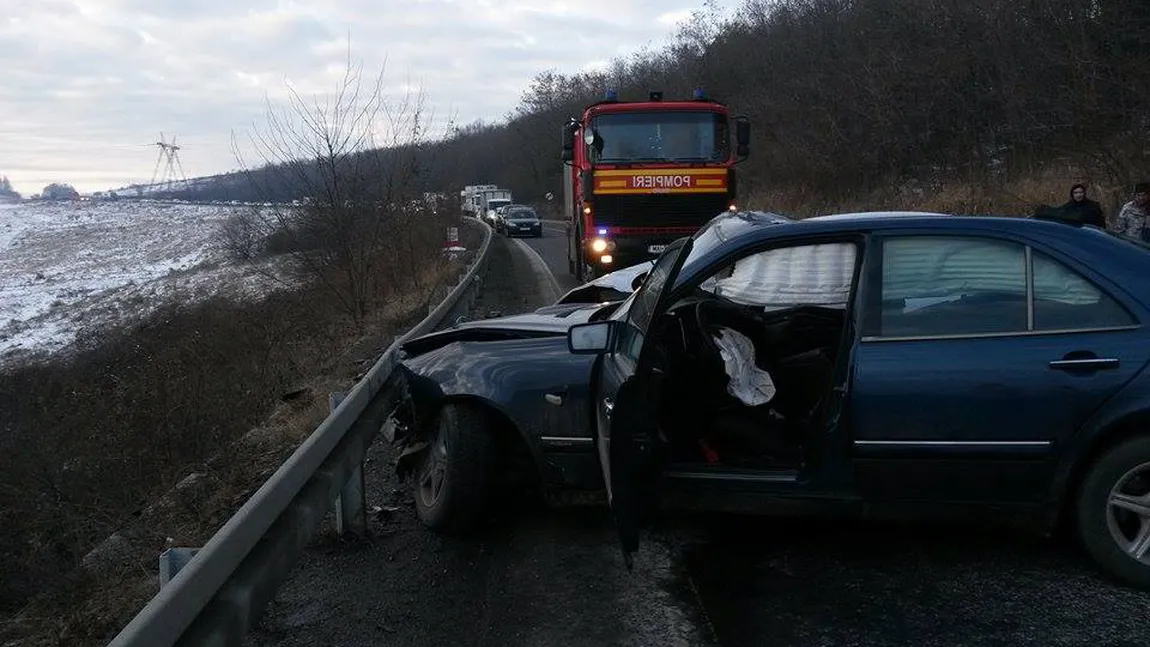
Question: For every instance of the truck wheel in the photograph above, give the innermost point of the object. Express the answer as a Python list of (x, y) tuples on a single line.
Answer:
[(1113, 511), (453, 482)]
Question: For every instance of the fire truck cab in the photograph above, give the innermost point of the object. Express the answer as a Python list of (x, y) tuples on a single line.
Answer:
[(640, 174)]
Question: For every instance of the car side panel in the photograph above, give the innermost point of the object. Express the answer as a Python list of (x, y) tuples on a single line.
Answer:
[(977, 419), (985, 419), (1128, 411), (515, 377)]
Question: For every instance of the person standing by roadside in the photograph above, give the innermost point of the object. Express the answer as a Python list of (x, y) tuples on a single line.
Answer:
[(1132, 218), (1082, 209)]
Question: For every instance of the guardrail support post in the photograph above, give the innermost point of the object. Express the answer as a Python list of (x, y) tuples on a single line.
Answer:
[(351, 501), (172, 560)]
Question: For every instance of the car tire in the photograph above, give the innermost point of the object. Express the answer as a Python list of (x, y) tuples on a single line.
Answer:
[(453, 482), (1123, 470)]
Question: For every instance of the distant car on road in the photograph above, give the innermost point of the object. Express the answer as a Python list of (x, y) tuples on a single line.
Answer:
[(519, 221), (915, 365), (498, 213)]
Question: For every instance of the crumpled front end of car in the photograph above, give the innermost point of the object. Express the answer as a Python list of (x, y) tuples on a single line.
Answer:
[(531, 389)]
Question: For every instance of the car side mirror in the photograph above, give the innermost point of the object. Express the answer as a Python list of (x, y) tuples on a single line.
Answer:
[(590, 338), (568, 153)]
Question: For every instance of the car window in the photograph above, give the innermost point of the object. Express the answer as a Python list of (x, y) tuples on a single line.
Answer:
[(778, 278), (630, 342), (1065, 300), (950, 285), (647, 297)]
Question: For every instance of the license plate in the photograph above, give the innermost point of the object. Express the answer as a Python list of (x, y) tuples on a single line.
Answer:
[(656, 249)]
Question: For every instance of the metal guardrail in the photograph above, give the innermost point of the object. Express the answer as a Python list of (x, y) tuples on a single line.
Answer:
[(217, 597)]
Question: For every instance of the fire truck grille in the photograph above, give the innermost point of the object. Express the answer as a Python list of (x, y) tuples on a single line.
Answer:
[(659, 210)]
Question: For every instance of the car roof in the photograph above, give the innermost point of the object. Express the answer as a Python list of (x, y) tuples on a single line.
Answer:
[(876, 215), (763, 221), (1125, 263)]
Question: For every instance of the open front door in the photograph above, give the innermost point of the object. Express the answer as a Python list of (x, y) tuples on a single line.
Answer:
[(626, 402)]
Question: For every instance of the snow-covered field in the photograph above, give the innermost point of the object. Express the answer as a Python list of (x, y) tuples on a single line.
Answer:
[(74, 265)]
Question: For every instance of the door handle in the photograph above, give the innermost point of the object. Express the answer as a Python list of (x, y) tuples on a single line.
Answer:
[(1085, 364), (608, 406)]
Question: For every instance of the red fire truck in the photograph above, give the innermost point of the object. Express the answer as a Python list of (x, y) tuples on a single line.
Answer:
[(640, 174)]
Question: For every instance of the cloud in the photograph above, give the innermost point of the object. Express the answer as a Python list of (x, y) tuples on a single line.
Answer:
[(88, 84)]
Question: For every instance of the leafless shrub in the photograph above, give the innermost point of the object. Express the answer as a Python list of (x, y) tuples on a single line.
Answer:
[(355, 160), (243, 236)]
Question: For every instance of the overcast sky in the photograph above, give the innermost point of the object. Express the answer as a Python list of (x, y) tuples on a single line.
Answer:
[(86, 85)]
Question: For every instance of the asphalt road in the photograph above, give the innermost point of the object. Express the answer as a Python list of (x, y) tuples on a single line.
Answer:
[(552, 247), (555, 577)]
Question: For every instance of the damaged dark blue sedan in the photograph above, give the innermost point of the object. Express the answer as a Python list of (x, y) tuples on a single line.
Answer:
[(893, 364)]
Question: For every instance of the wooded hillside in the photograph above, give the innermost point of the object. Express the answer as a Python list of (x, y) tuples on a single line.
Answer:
[(849, 98)]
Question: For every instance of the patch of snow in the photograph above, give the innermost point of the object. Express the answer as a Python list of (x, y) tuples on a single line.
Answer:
[(71, 265)]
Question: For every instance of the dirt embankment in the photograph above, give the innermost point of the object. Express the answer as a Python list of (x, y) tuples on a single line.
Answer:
[(152, 436)]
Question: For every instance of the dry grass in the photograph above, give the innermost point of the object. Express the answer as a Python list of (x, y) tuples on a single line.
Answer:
[(1017, 196), (152, 437)]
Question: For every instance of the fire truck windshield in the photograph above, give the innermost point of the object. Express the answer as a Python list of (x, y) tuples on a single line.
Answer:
[(660, 136)]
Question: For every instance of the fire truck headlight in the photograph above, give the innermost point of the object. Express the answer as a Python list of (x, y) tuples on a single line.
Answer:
[(606, 259), (598, 245), (733, 207)]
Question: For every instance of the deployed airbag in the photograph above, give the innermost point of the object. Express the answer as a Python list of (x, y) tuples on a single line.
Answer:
[(782, 278), (749, 383)]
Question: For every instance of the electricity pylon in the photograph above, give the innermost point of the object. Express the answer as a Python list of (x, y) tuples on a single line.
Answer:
[(169, 156)]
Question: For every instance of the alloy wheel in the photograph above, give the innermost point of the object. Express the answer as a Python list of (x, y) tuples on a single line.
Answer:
[(433, 473), (1128, 513)]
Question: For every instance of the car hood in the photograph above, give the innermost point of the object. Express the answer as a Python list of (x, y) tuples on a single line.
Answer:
[(549, 321), (556, 319), (615, 286)]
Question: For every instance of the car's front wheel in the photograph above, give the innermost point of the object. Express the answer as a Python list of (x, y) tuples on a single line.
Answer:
[(454, 479), (1114, 511)]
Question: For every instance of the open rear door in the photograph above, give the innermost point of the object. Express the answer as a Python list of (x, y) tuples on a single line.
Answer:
[(626, 402)]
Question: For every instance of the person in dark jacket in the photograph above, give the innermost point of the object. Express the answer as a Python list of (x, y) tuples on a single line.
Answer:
[(1082, 209)]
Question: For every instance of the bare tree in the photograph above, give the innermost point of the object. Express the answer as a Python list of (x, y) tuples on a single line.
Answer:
[(352, 161)]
